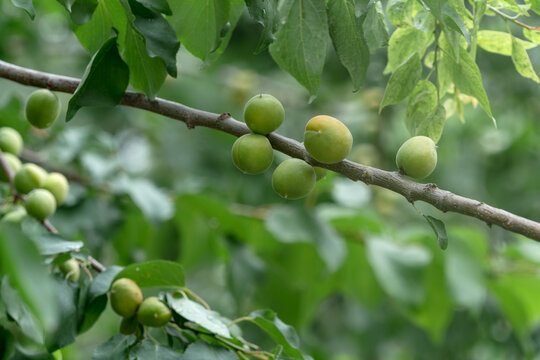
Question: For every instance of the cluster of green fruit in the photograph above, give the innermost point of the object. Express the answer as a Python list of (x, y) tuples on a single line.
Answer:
[(43, 191), (127, 301), (326, 139)]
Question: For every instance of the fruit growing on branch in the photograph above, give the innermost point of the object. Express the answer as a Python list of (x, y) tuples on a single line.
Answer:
[(252, 153), (28, 178), (40, 204), (10, 141), (327, 139), (293, 179), (12, 163), (71, 269), (417, 157), (153, 312), (42, 108), (263, 114), (126, 296), (58, 185)]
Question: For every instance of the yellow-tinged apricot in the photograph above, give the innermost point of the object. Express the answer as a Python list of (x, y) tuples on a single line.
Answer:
[(417, 157), (126, 296), (327, 139)]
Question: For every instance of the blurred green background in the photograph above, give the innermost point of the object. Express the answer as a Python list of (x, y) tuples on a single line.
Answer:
[(355, 269)]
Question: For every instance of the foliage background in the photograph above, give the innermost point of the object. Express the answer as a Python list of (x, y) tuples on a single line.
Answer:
[(355, 269)]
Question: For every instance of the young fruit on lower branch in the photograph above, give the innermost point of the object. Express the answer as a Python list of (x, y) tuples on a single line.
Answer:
[(42, 108), (263, 114), (71, 269), (126, 297), (153, 312), (252, 153), (417, 157), (13, 163), (293, 179), (58, 185), (327, 139), (40, 204), (28, 178), (10, 141)]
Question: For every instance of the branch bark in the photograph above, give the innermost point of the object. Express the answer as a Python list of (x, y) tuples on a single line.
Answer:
[(412, 191)]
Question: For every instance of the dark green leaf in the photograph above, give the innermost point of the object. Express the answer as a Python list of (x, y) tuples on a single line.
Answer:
[(65, 299), (301, 42), (82, 10), (439, 229), (347, 36), (402, 81), (195, 312), (375, 28), (201, 350), (104, 81), (54, 244), (157, 273), (115, 348), (264, 12), (95, 32), (160, 6), (27, 6), (148, 350)]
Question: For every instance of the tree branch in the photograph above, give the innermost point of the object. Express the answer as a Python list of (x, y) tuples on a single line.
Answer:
[(412, 191)]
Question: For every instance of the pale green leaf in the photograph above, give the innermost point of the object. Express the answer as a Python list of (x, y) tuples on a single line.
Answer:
[(422, 102), (400, 12), (521, 61), (403, 43), (375, 28), (433, 125), (499, 42), (532, 35), (402, 81)]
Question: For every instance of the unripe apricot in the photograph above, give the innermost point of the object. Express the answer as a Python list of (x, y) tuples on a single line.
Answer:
[(28, 178), (126, 297), (320, 173), (10, 141), (252, 153), (58, 185), (42, 108), (417, 157), (293, 179), (129, 326), (40, 204), (13, 163), (15, 214), (327, 139), (153, 312), (263, 114), (71, 269)]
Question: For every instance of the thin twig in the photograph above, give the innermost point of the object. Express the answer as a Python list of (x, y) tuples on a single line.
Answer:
[(513, 19), (412, 191)]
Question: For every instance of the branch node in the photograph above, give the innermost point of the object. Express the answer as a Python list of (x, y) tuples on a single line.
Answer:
[(430, 187), (224, 116)]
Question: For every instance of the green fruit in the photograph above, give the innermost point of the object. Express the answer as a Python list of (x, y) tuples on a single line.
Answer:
[(417, 157), (153, 312), (252, 153), (40, 204), (320, 173), (126, 297), (293, 179), (10, 141), (71, 269), (28, 178), (129, 326), (263, 114), (15, 214), (58, 185), (327, 139), (13, 163), (42, 108)]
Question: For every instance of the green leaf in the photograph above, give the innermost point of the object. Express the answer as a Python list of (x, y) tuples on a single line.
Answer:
[(200, 350), (403, 43), (148, 350), (535, 5), (65, 334), (400, 12), (375, 28), (104, 81), (399, 268), (54, 244), (156, 273), (198, 23), (440, 231), (236, 10), (115, 348), (159, 36), (82, 10), (264, 12), (521, 61), (499, 42), (195, 312), (422, 103), (347, 37), (293, 224), (160, 6), (96, 31), (301, 42), (281, 333), (433, 125), (20, 259), (532, 35), (402, 81), (27, 6)]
